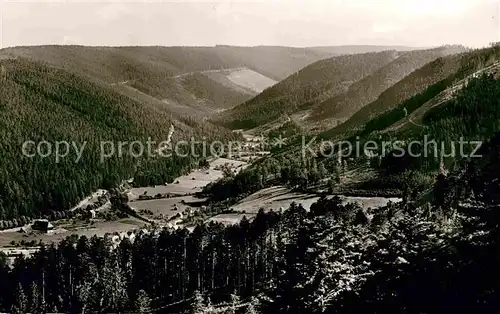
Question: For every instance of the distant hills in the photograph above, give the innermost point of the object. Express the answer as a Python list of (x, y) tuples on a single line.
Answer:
[(194, 81), (427, 87), (423, 92), (352, 49), (329, 91), (308, 87), (370, 87), (190, 81), (449, 100)]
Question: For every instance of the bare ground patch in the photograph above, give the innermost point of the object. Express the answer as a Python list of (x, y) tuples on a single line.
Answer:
[(281, 197)]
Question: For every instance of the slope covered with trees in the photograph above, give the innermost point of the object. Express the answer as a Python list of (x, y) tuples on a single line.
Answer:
[(303, 89), (446, 133), (370, 87), (180, 77), (331, 90), (420, 87), (204, 87), (40, 103), (279, 62), (156, 72), (160, 72), (460, 107)]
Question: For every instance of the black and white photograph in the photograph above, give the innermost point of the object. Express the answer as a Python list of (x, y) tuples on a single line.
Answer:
[(250, 157)]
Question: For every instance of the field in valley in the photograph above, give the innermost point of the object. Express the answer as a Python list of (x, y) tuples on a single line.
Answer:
[(192, 182), (64, 229), (250, 79), (185, 186), (182, 189), (181, 197), (278, 197)]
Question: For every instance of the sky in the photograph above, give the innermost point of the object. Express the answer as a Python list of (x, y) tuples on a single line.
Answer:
[(420, 23)]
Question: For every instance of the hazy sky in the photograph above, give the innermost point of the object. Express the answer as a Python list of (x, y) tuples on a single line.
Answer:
[(288, 23)]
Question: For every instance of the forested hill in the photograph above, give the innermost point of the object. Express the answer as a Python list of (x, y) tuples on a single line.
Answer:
[(329, 91), (314, 83), (462, 105), (424, 88), (196, 81), (38, 102), (121, 63), (341, 106)]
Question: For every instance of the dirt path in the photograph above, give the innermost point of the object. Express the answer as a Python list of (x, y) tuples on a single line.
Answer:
[(208, 71), (120, 83)]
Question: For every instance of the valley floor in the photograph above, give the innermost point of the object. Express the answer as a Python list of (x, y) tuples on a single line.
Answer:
[(181, 200)]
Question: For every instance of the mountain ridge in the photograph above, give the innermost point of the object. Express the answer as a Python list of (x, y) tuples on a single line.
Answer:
[(329, 91)]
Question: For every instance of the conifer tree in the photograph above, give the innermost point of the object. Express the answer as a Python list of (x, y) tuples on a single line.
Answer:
[(142, 302), (197, 305), (20, 305)]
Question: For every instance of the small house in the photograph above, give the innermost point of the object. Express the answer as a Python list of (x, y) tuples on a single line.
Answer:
[(42, 225)]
